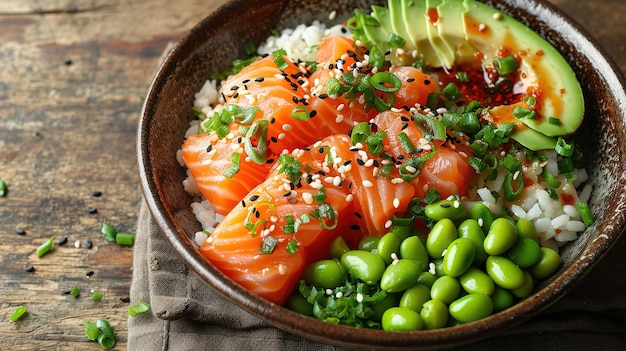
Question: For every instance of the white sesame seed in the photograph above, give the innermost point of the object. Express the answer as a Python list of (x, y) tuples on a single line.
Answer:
[(282, 269), (349, 198), (515, 175), (307, 197), (388, 224), (329, 291), (332, 15), (337, 181), (456, 204), (366, 183), (396, 202), (497, 16), (287, 127), (411, 169), (340, 107), (281, 136), (339, 119), (359, 297), (339, 294), (480, 222)]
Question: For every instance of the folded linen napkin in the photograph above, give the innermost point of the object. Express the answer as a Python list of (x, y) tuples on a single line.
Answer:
[(186, 314)]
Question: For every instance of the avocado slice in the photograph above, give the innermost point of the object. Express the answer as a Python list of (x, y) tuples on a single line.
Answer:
[(432, 19), (396, 19), (452, 31), (413, 15), (490, 31)]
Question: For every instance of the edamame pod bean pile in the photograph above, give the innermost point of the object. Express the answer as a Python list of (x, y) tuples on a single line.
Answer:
[(470, 265)]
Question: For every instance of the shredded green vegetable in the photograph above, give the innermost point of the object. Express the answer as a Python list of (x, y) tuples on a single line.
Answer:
[(141, 307), (20, 311), (44, 248)]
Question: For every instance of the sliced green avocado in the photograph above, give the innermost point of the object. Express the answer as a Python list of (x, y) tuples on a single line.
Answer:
[(452, 31), (432, 18), (396, 17), (413, 19), (542, 65)]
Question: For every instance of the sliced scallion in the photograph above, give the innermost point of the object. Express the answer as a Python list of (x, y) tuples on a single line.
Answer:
[(91, 330), (108, 232), (125, 239), (564, 148), (45, 247), (268, 245), (386, 82), (585, 213), (512, 187), (96, 296), (431, 126), (255, 143), (106, 336), (405, 142), (141, 307), (451, 91), (19, 312), (3, 188), (554, 120), (292, 247), (521, 113), (505, 65), (395, 40), (75, 292), (300, 113), (234, 167)]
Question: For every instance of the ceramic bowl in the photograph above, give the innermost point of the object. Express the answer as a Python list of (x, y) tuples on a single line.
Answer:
[(215, 42)]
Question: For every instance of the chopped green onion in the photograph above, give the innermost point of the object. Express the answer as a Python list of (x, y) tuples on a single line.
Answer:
[(281, 62), (268, 245), (141, 307), (491, 164), (386, 82), (257, 133), (197, 112), (451, 91), (405, 142), (45, 247), (395, 40), (554, 120), (19, 312), (241, 115), (290, 167), (530, 100), (235, 159), (290, 224), (96, 296), (300, 113), (106, 336), (511, 163), (432, 101), (512, 187), (563, 148), (549, 178), (91, 330), (75, 292), (333, 87), (249, 48), (320, 197), (473, 106), (554, 195), (431, 126), (469, 122), (323, 212), (292, 247), (375, 142), (521, 113), (477, 164), (585, 213), (108, 232), (462, 76), (505, 65), (479, 148), (377, 57), (360, 132), (303, 219), (566, 165), (125, 239), (3, 188)]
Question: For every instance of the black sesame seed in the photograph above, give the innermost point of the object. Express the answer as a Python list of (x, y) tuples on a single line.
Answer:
[(357, 215), (96, 193), (234, 87), (92, 210), (125, 299), (269, 161), (410, 80), (400, 157), (426, 82), (62, 241), (445, 205), (90, 273), (360, 162), (20, 231), (274, 140), (404, 126), (245, 81), (347, 162), (30, 269), (344, 31), (272, 120), (236, 96), (295, 99), (331, 66), (287, 194), (355, 227), (254, 197), (349, 185), (260, 79), (351, 53), (313, 113), (89, 244), (404, 118), (322, 173), (323, 96), (243, 203), (209, 148), (68, 62)]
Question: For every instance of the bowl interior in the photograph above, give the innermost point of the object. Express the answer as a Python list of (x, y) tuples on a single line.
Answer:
[(214, 43)]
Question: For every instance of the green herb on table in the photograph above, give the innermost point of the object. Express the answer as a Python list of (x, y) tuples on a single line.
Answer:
[(139, 308), (19, 312), (75, 292), (45, 247), (3, 188), (102, 332), (108, 232), (96, 296)]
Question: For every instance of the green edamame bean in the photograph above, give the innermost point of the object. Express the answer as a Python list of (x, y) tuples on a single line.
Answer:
[(471, 307), (327, 274), (547, 264), (369, 243), (526, 229), (379, 308), (298, 303), (434, 313), (400, 275), (445, 289), (502, 299), (470, 229), (388, 245), (338, 247), (401, 319), (414, 297), (441, 235), (504, 273), (526, 288), (438, 264), (525, 253), (364, 265), (427, 278), (412, 248), (459, 257), (403, 227), (476, 281), (452, 209), (483, 215), (501, 237)]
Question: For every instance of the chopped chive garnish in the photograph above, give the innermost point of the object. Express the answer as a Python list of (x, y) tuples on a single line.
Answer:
[(505, 65), (451, 92), (290, 167), (395, 40), (91, 330), (564, 148), (512, 187), (585, 213), (75, 292), (108, 232), (141, 307), (386, 82), (461, 76), (405, 142), (3, 188), (268, 245), (300, 113), (257, 134), (96, 296), (521, 113), (554, 120), (292, 247), (106, 336), (125, 239), (234, 167), (45, 248), (19, 312)]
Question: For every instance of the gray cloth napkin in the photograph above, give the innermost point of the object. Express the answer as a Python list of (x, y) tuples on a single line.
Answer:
[(186, 314)]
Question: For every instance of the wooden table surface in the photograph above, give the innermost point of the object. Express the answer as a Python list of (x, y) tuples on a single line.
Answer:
[(73, 75)]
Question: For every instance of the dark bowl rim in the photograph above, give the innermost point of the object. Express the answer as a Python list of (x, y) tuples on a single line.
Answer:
[(349, 336)]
